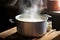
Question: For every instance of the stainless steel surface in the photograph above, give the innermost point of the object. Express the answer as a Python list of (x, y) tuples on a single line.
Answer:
[(32, 29)]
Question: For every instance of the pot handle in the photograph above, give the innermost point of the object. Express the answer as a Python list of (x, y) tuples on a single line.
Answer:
[(12, 20), (49, 17)]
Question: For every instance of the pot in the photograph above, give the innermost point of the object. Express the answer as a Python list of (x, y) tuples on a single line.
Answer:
[(32, 28), (55, 7)]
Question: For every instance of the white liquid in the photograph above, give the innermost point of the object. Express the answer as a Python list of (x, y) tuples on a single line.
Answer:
[(18, 17)]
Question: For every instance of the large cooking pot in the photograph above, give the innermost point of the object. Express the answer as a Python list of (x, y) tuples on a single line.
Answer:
[(34, 28)]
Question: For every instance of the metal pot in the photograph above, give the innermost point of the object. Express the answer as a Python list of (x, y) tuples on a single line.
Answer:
[(32, 29)]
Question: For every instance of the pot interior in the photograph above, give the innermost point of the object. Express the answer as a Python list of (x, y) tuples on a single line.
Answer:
[(21, 18)]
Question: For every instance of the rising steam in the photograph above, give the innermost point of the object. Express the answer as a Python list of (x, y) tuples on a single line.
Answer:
[(32, 12)]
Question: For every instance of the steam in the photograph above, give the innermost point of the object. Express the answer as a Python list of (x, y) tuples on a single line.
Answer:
[(33, 11)]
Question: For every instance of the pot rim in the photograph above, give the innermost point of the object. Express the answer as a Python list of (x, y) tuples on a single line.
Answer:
[(27, 21)]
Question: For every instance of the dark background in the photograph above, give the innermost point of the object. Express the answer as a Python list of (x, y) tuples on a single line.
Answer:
[(7, 12)]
